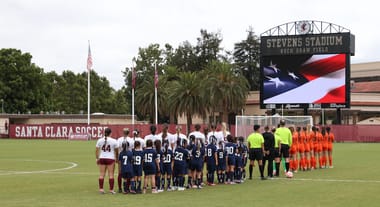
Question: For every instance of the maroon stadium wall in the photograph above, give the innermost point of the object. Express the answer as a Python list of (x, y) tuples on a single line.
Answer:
[(80, 131), (343, 133)]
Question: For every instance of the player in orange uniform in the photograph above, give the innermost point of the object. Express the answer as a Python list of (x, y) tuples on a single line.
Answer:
[(313, 147), (324, 147), (330, 140), (319, 147), (306, 134), (293, 150), (301, 149)]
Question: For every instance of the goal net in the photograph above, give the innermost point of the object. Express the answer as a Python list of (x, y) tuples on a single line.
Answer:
[(244, 124)]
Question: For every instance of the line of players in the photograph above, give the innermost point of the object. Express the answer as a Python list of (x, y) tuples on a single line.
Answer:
[(311, 146), (166, 159)]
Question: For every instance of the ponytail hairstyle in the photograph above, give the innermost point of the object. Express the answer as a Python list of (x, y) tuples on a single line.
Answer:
[(198, 144), (230, 138), (107, 133), (137, 145), (166, 147), (125, 146), (157, 145)]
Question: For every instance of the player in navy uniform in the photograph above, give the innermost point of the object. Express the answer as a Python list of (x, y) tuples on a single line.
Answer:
[(221, 167), (197, 157), (244, 157), (138, 155), (126, 164), (238, 164), (157, 145), (211, 160), (179, 168), (230, 148), (189, 146), (167, 165), (150, 165)]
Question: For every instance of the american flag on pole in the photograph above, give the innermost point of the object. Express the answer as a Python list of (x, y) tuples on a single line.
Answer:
[(155, 76), (133, 78), (305, 79), (89, 58)]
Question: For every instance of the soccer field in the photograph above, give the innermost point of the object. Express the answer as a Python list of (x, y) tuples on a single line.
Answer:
[(64, 173)]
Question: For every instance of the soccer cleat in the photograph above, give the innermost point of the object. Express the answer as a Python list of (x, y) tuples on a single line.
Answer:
[(181, 188), (120, 191), (199, 187), (101, 191), (263, 178), (169, 189), (160, 190), (154, 191), (112, 192), (194, 186)]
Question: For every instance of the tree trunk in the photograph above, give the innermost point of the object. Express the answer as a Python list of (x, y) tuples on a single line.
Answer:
[(189, 122)]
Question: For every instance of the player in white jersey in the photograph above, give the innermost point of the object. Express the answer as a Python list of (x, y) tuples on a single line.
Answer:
[(152, 136), (137, 138), (198, 134), (167, 137), (217, 134), (106, 154), (224, 131), (178, 135)]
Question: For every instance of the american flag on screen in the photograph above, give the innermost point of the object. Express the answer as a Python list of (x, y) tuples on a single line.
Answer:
[(305, 79)]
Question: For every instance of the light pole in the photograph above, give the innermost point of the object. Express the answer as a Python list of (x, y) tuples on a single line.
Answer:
[(2, 106)]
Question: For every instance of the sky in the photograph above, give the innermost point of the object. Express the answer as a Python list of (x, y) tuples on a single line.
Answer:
[(56, 32)]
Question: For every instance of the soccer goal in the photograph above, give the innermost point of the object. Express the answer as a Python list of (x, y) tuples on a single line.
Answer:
[(244, 124)]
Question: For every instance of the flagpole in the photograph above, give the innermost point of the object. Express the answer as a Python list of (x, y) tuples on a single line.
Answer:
[(155, 91), (133, 95), (88, 97), (89, 66)]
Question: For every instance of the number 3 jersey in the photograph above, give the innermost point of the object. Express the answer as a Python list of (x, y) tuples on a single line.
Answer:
[(107, 147)]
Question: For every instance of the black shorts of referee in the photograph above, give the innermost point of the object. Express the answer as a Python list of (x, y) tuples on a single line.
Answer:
[(284, 150), (256, 154)]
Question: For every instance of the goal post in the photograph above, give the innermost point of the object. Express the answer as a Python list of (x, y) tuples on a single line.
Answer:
[(244, 124)]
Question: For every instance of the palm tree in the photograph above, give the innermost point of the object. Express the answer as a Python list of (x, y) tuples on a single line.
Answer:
[(185, 97), (227, 91)]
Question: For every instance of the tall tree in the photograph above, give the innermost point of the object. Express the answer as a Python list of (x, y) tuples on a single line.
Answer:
[(20, 83), (185, 97), (208, 48), (226, 90), (247, 59)]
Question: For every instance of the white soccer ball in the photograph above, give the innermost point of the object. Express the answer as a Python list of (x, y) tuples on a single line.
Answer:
[(289, 174)]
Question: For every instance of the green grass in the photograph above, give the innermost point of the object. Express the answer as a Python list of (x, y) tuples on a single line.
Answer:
[(354, 180)]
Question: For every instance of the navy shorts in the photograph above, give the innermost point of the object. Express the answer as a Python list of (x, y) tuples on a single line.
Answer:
[(179, 170), (137, 170), (127, 175), (167, 168), (231, 160), (211, 168), (149, 169), (221, 167), (197, 165)]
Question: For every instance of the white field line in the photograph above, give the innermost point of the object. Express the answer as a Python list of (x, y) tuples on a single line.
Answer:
[(331, 180), (71, 165)]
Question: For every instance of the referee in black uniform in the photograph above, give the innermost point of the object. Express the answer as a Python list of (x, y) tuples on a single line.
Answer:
[(268, 150)]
